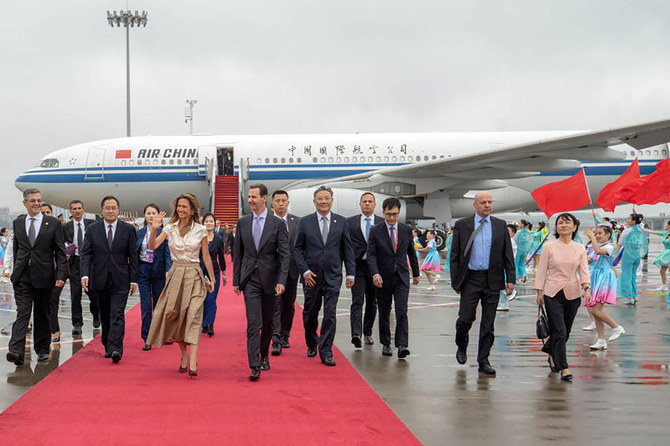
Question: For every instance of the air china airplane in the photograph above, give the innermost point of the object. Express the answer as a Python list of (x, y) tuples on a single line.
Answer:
[(436, 174)]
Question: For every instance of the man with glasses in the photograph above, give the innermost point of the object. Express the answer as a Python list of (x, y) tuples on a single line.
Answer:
[(390, 245), (109, 267), (38, 241)]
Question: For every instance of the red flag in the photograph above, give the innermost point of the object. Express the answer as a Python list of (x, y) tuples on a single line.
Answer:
[(607, 197), (122, 154), (561, 196), (652, 189)]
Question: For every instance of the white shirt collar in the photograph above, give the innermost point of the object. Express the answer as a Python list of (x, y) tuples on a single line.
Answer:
[(264, 214), (328, 216)]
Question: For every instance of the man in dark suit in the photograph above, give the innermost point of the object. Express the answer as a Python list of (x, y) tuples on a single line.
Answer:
[(260, 268), (76, 231), (109, 268), (285, 304), (481, 255), (39, 264), (322, 243), (363, 289), (389, 246)]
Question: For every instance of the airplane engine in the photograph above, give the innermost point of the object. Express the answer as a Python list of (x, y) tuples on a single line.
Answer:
[(345, 202)]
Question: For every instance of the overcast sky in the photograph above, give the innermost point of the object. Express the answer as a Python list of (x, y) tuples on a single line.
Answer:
[(310, 66)]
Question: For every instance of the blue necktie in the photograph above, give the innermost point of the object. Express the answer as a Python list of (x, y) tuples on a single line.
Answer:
[(257, 232), (367, 228)]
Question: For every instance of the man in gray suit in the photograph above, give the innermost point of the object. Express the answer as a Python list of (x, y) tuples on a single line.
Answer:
[(285, 304), (260, 268), (322, 243)]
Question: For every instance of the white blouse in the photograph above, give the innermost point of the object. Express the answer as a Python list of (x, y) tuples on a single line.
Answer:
[(187, 248)]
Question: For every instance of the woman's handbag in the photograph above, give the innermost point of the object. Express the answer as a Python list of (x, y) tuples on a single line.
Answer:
[(542, 324)]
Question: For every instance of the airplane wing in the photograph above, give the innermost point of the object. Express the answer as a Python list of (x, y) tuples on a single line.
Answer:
[(518, 161)]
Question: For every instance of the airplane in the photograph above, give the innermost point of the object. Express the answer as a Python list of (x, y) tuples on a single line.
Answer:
[(434, 174)]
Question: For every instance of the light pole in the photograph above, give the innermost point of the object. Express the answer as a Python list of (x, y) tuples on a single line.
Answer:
[(189, 113), (128, 19)]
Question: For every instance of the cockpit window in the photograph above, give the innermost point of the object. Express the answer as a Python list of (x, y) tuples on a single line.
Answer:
[(50, 163)]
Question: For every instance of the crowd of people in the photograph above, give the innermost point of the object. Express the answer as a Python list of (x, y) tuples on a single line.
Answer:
[(179, 266)]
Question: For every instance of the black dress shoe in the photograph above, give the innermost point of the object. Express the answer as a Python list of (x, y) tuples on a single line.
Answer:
[(14, 357), (255, 374), (108, 354), (329, 361), (43, 357), (276, 349), (285, 344), (204, 329), (461, 356), (116, 357), (146, 347), (76, 330), (369, 340), (96, 323), (386, 350), (311, 352), (210, 331), (403, 352), (265, 363), (356, 340), (487, 369), (567, 377)]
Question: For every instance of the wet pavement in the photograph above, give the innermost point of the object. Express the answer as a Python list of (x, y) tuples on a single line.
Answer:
[(618, 396)]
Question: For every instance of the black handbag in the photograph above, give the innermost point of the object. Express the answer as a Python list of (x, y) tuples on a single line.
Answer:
[(542, 324)]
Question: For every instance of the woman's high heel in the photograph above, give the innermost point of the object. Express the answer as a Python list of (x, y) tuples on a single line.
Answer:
[(183, 369), (192, 373)]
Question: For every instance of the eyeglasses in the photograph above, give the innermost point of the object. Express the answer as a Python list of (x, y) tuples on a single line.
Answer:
[(391, 214), (35, 200), (110, 208)]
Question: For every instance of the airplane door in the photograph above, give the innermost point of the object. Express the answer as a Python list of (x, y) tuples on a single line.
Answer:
[(95, 164)]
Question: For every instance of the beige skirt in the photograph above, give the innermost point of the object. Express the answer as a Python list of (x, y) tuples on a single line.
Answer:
[(178, 314)]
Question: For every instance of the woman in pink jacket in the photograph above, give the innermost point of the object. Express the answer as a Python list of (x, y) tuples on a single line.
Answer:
[(561, 280)]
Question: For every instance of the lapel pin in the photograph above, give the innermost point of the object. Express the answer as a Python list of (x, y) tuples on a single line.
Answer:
[(46, 224), (334, 221)]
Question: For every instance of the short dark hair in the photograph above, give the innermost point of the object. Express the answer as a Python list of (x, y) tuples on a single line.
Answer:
[(280, 192), (208, 214), (512, 227), (75, 202), (151, 205), (567, 216), (390, 203), (109, 197), (45, 204), (30, 192), (262, 188), (541, 224), (323, 188), (431, 232), (368, 193)]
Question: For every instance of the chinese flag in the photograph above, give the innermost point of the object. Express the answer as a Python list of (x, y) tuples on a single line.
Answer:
[(561, 196), (607, 197), (122, 154), (652, 189)]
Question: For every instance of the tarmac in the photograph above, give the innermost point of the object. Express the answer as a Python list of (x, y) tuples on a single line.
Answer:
[(618, 396)]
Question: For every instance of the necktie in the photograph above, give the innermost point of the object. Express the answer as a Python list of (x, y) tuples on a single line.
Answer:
[(393, 240), (286, 221), (31, 231), (257, 232), (472, 237), (324, 230), (367, 228), (80, 236), (110, 237)]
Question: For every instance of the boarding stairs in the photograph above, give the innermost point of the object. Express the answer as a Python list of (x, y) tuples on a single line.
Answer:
[(227, 198)]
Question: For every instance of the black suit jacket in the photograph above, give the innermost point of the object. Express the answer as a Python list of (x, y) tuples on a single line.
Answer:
[(45, 260), (324, 260), (69, 228), (217, 254), (382, 259), (98, 261), (293, 222), (271, 259), (501, 259), (358, 242)]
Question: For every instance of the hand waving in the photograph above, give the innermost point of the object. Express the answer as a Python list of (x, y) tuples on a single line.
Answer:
[(158, 220)]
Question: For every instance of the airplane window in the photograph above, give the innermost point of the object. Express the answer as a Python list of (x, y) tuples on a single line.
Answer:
[(346, 159), (418, 157), (283, 160), (258, 161), (179, 161), (53, 163), (394, 159), (195, 161), (425, 157), (299, 160), (314, 160), (402, 158), (187, 161), (274, 160), (330, 159), (44, 163), (370, 159), (139, 162), (434, 157), (155, 162), (665, 152), (648, 152), (267, 160), (290, 160), (441, 156), (339, 159), (379, 158), (354, 159), (386, 158), (163, 162), (171, 162), (323, 159), (123, 162), (655, 152), (132, 162)]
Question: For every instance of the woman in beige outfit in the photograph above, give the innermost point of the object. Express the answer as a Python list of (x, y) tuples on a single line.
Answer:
[(178, 314), (562, 278)]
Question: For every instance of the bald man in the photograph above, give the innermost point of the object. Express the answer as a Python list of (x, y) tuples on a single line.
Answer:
[(481, 255)]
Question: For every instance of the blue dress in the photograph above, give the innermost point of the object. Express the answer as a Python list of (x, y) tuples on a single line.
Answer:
[(603, 278), (432, 262), (450, 238), (524, 241)]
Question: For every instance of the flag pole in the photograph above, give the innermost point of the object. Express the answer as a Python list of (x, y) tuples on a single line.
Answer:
[(593, 210)]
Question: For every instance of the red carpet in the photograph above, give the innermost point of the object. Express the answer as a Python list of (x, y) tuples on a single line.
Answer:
[(144, 400)]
